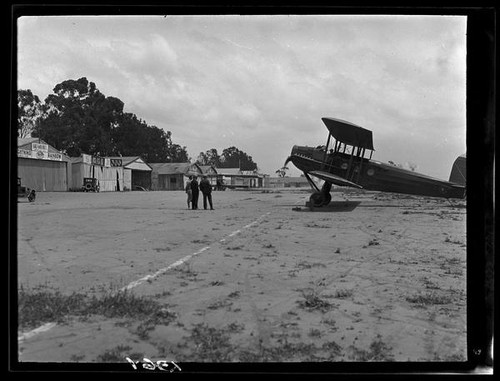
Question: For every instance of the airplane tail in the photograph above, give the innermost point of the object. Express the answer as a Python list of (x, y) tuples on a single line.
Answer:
[(458, 173)]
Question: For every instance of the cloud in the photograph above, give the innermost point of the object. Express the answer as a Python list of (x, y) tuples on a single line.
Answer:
[(262, 83)]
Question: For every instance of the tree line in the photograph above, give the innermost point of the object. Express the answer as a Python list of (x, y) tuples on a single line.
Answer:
[(77, 118)]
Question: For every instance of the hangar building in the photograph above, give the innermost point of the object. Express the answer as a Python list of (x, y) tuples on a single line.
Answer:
[(41, 166), (136, 172), (111, 178)]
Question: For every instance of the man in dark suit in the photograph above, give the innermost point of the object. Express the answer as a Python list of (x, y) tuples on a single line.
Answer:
[(196, 192), (206, 189)]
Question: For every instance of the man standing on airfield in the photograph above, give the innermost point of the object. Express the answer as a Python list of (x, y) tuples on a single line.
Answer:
[(206, 189), (189, 191), (196, 193)]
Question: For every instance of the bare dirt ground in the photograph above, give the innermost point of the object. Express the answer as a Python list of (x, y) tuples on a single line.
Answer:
[(260, 278)]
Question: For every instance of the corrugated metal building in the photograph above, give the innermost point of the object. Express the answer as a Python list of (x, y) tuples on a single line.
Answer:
[(41, 166), (173, 176), (110, 177), (136, 172)]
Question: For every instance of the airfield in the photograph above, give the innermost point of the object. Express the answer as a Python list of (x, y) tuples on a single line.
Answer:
[(373, 277)]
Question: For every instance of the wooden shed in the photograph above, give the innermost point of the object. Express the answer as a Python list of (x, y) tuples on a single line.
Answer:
[(172, 176)]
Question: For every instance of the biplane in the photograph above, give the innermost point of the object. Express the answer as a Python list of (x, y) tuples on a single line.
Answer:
[(346, 160)]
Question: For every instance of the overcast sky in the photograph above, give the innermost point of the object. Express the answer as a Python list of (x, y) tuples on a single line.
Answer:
[(263, 83)]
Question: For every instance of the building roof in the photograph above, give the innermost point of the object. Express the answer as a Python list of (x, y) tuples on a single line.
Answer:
[(206, 168), (136, 161), (25, 144), (125, 159), (24, 141), (228, 171), (175, 168)]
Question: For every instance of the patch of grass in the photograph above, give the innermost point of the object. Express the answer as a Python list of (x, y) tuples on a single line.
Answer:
[(160, 317), (292, 273), (220, 304), (313, 302), (430, 298), (331, 323), (237, 247), (343, 294), (187, 270), (38, 306), (114, 355), (429, 284), (314, 332), (284, 351), (308, 265), (457, 242), (76, 358), (315, 225), (123, 304), (159, 249), (378, 351), (214, 345), (234, 294), (235, 327), (333, 348), (211, 344)]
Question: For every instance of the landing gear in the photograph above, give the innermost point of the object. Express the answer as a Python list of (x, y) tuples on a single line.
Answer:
[(321, 198)]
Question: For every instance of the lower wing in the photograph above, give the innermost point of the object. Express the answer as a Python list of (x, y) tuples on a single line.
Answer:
[(337, 180)]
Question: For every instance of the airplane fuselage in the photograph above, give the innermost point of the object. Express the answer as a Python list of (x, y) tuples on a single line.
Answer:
[(372, 174)]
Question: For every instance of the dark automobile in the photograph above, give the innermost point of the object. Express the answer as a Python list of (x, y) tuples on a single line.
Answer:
[(25, 192), (90, 184)]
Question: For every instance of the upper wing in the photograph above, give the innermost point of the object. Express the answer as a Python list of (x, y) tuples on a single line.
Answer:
[(334, 179)]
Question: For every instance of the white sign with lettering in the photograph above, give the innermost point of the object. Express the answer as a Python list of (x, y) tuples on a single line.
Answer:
[(40, 147)]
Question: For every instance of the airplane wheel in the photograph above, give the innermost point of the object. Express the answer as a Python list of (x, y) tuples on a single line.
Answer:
[(327, 198), (316, 199)]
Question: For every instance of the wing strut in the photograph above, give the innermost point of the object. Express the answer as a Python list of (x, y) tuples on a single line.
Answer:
[(311, 183)]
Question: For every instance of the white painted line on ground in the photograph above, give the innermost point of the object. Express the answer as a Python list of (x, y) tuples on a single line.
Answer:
[(47, 326), (186, 258), (163, 270), (36, 331)]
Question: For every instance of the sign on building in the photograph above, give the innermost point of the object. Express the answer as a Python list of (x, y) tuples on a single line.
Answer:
[(87, 159), (40, 154), (98, 161), (39, 147)]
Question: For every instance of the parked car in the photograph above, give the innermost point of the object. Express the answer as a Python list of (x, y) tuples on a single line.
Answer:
[(25, 192), (90, 184)]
